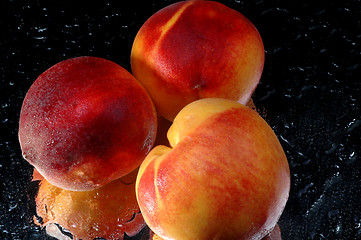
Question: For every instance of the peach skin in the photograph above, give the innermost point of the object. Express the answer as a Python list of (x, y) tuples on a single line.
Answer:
[(85, 122), (275, 234), (197, 49), (225, 175)]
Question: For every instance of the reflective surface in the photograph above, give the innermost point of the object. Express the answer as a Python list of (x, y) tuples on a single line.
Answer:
[(309, 94)]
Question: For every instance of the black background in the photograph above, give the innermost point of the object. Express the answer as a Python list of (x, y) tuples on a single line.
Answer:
[(309, 93)]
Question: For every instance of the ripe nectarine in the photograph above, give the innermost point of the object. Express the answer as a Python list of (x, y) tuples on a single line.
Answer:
[(275, 234), (85, 122), (197, 49), (225, 175)]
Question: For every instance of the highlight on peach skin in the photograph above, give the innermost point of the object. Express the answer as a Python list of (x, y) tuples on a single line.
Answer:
[(224, 176), (107, 212), (85, 122), (197, 49)]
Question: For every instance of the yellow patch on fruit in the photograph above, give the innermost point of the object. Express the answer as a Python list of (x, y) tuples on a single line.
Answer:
[(168, 25), (188, 119)]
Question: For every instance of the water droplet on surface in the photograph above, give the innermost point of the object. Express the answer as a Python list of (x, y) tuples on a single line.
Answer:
[(12, 206), (352, 125), (304, 190), (351, 158), (332, 149), (39, 38), (286, 140)]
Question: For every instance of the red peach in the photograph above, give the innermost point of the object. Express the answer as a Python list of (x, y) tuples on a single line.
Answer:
[(225, 175), (85, 122), (197, 49)]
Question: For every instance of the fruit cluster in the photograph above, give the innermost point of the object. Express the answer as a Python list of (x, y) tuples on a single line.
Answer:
[(174, 144)]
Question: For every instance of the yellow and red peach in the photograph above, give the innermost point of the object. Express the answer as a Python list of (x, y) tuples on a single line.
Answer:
[(197, 49), (225, 175), (85, 122), (107, 212), (275, 234)]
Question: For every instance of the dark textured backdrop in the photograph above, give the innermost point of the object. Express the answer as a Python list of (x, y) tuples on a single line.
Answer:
[(310, 94)]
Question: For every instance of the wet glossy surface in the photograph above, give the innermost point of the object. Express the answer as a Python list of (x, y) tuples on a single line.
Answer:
[(309, 92)]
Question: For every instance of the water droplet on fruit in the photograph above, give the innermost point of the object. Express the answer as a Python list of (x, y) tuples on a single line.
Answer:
[(50, 142), (96, 227), (96, 195)]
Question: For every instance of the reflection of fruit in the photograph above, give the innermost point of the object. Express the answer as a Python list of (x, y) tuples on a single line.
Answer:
[(226, 175), (275, 234), (85, 122), (37, 176), (106, 212), (156, 237), (197, 49)]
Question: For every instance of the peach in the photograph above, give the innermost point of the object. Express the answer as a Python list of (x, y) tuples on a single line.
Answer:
[(107, 212), (275, 234), (225, 175), (197, 49), (85, 122)]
